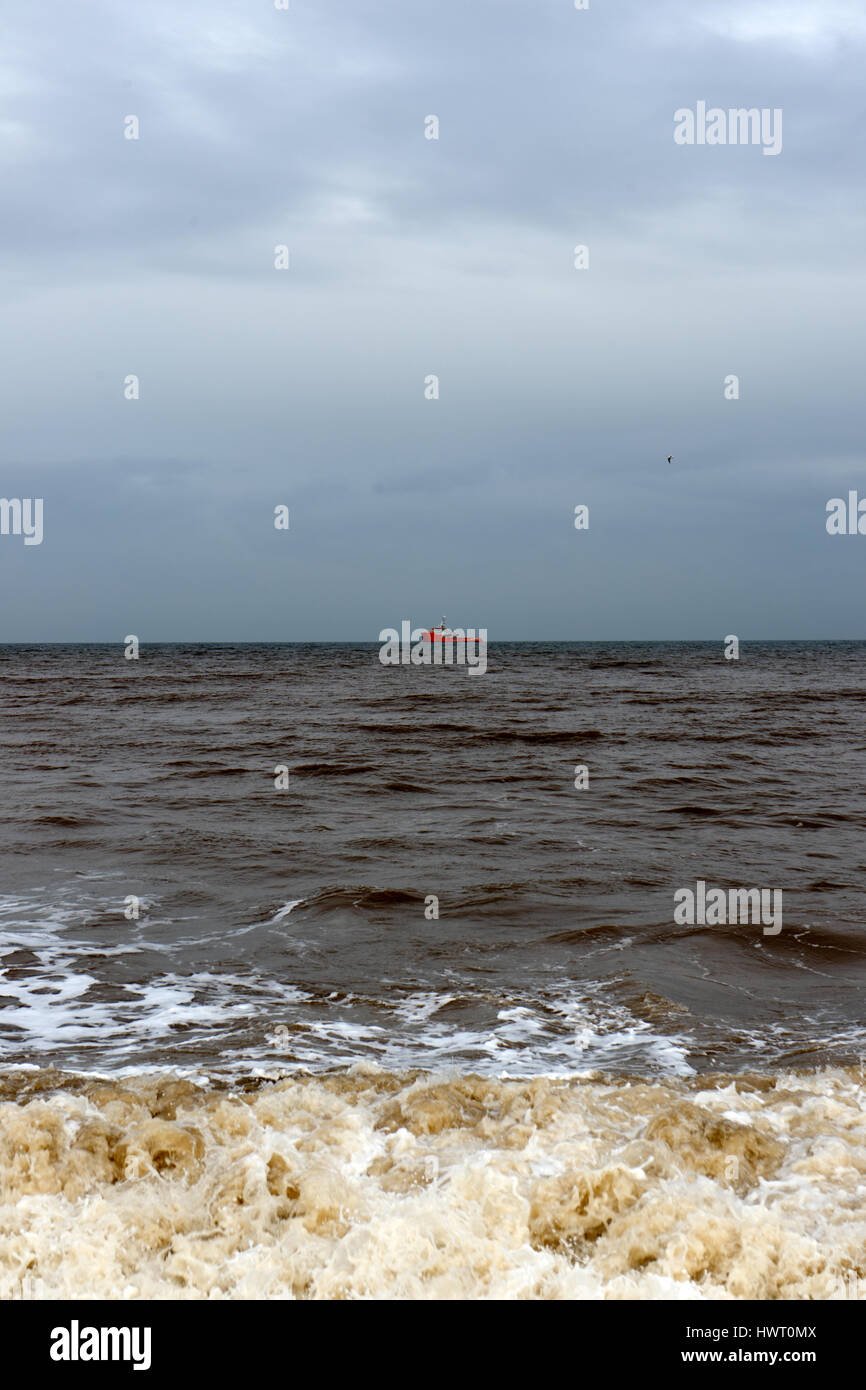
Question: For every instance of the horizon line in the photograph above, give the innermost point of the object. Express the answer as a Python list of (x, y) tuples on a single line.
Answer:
[(374, 642)]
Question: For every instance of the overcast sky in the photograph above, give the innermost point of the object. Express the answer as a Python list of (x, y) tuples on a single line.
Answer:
[(411, 257)]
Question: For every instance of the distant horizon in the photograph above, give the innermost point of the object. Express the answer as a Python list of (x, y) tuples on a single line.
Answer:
[(374, 642)]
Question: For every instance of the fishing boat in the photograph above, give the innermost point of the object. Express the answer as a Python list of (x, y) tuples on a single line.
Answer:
[(442, 633)]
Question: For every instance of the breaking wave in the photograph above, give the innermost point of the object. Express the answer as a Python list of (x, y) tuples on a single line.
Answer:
[(370, 1184)]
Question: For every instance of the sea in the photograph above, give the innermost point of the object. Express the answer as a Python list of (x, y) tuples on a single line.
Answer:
[(323, 978)]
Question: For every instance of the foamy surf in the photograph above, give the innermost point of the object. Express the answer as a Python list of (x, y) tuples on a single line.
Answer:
[(370, 1184)]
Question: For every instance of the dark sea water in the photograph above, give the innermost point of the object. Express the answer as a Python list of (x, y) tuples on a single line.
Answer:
[(285, 929)]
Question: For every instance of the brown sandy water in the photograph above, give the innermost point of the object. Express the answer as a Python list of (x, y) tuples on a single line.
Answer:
[(288, 927), (367, 1184), (282, 1080)]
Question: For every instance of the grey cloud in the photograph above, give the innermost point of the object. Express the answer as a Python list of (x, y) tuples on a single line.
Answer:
[(412, 257)]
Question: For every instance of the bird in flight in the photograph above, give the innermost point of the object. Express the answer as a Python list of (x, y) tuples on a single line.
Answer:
[(670, 457)]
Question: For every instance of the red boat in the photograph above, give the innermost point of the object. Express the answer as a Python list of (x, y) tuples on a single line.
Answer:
[(441, 633)]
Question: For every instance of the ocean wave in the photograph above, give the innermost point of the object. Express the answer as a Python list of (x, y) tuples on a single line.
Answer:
[(372, 1184)]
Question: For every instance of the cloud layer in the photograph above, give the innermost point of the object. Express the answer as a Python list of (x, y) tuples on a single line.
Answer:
[(411, 257)]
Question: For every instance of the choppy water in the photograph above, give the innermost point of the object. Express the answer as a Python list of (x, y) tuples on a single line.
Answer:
[(284, 1080), (287, 927)]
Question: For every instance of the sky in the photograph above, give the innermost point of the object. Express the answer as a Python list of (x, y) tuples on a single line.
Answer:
[(411, 258)]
